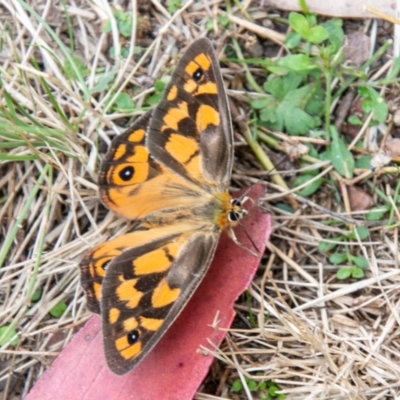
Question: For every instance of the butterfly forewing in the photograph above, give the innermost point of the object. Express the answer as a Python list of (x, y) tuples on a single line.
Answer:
[(189, 132)]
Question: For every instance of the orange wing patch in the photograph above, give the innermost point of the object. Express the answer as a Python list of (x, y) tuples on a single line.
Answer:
[(175, 115), (201, 61), (206, 116), (172, 94), (113, 315), (182, 148), (126, 349), (151, 324), (128, 294), (164, 295)]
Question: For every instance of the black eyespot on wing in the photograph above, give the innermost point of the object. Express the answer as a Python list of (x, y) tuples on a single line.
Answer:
[(126, 173), (198, 74), (105, 264), (132, 337)]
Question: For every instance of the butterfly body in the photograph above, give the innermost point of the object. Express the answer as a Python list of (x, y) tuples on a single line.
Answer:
[(170, 173)]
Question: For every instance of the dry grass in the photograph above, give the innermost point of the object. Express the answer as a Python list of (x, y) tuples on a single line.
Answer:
[(313, 335)]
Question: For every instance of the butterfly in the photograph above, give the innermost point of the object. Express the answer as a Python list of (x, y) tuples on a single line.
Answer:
[(170, 173)]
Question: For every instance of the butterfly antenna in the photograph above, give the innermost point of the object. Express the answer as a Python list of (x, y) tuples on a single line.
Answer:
[(260, 180), (249, 237)]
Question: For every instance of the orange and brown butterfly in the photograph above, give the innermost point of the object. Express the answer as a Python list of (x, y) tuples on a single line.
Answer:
[(169, 172)]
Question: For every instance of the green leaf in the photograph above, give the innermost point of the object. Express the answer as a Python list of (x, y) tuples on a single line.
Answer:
[(290, 105), (104, 81), (357, 273), (224, 21), (377, 213), (318, 34), (373, 102), (309, 189), (237, 385), (325, 247), (262, 386), (336, 34), (125, 24), (284, 207), (124, 103), (7, 334), (360, 261), (70, 71), (299, 24), (315, 103), (363, 162), (174, 5), (37, 294), (296, 62), (272, 391), (344, 273), (270, 115), (287, 84), (303, 6), (260, 104), (209, 24), (124, 52), (154, 99), (380, 110), (292, 40), (354, 120), (58, 310), (277, 70), (297, 121), (252, 385), (362, 231), (107, 26), (337, 258), (395, 71), (341, 158), (159, 85)]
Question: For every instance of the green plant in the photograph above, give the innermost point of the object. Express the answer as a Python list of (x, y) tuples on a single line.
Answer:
[(174, 5), (155, 98), (58, 310), (298, 94), (356, 264), (8, 335), (124, 26), (222, 20), (266, 390), (124, 23)]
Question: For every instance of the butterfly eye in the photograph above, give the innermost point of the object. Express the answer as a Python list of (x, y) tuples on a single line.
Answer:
[(198, 74), (233, 216), (126, 173), (133, 337), (236, 203)]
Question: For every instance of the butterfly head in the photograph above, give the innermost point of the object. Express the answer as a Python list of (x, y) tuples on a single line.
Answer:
[(230, 212)]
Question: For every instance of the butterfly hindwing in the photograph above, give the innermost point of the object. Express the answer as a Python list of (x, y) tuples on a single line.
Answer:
[(144, 291)]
